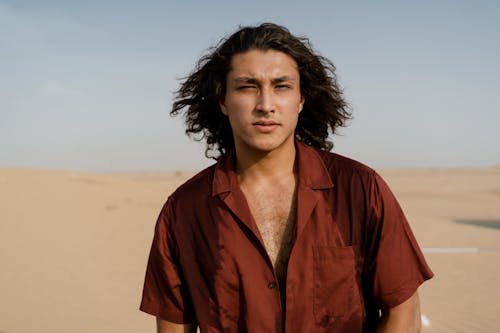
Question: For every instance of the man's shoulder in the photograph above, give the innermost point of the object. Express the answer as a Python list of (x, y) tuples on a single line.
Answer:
[(197, 186), (338, 164)]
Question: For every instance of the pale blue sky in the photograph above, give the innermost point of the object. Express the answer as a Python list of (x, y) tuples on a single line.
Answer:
[(88, 85)]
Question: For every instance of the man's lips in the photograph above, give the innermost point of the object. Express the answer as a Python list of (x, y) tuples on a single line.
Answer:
[(265, 123), (265, 126)]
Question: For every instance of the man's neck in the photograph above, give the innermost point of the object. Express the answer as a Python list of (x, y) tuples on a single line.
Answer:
[(254, 166)]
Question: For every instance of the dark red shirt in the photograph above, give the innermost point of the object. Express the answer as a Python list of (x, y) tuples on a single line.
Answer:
[(353, 253)]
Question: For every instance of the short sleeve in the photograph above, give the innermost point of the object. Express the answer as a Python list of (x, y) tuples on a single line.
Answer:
[(165, 294), (395, 263)]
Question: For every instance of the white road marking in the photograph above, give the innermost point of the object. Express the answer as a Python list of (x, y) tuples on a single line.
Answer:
[(425, 321), (450, 249)]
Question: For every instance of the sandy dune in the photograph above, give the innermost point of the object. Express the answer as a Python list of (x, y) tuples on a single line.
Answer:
[(73, 247)]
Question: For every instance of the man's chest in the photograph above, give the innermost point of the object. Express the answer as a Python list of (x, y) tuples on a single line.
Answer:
[(274, 214), (321, 267)]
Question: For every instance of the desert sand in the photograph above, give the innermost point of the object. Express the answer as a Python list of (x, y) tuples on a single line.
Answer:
[(73, 247)]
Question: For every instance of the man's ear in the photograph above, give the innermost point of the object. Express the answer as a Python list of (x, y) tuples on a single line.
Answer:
[(222, 106), (301, 104)]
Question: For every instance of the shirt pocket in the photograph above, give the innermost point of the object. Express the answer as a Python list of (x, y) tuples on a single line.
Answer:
[(335, 292)]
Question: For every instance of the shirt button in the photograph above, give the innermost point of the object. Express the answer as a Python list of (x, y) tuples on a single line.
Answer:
[(271, 285)]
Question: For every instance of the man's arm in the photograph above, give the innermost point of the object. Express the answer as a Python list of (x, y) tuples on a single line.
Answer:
[(163, 326), (404, 317)]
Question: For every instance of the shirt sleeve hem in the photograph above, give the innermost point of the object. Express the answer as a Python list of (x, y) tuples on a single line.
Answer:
[(400, 296), (171, 316)]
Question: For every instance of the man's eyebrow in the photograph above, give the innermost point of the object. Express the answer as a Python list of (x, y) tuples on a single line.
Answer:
[(252, 80), (284, 78), (246, 79)]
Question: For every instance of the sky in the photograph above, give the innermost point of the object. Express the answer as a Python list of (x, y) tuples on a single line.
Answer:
[(88, 85)]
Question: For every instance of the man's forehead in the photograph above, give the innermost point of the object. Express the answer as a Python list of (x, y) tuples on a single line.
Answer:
[(253, 63)]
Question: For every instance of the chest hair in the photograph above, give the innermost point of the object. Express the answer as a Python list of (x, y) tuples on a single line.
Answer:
[(273, 208)]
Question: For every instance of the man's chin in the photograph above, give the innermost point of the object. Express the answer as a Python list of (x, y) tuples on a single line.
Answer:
[(265, 147)]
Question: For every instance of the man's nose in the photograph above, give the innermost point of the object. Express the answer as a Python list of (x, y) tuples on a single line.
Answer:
[(266, 100)]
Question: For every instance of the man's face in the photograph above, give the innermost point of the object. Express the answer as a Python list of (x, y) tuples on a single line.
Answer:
[(262, 100)]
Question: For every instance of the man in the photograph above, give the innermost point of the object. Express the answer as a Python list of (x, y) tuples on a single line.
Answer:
[(279, 235)]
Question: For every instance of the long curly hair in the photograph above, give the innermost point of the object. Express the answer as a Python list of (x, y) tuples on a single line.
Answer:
[(198, 98)]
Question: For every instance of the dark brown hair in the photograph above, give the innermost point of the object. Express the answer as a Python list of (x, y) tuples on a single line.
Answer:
[(198, 98)]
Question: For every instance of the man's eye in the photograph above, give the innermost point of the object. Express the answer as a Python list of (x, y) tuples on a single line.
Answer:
[(282, 86), (245, 87)]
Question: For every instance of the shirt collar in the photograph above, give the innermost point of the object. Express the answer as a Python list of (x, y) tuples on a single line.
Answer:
[(312, 170)]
